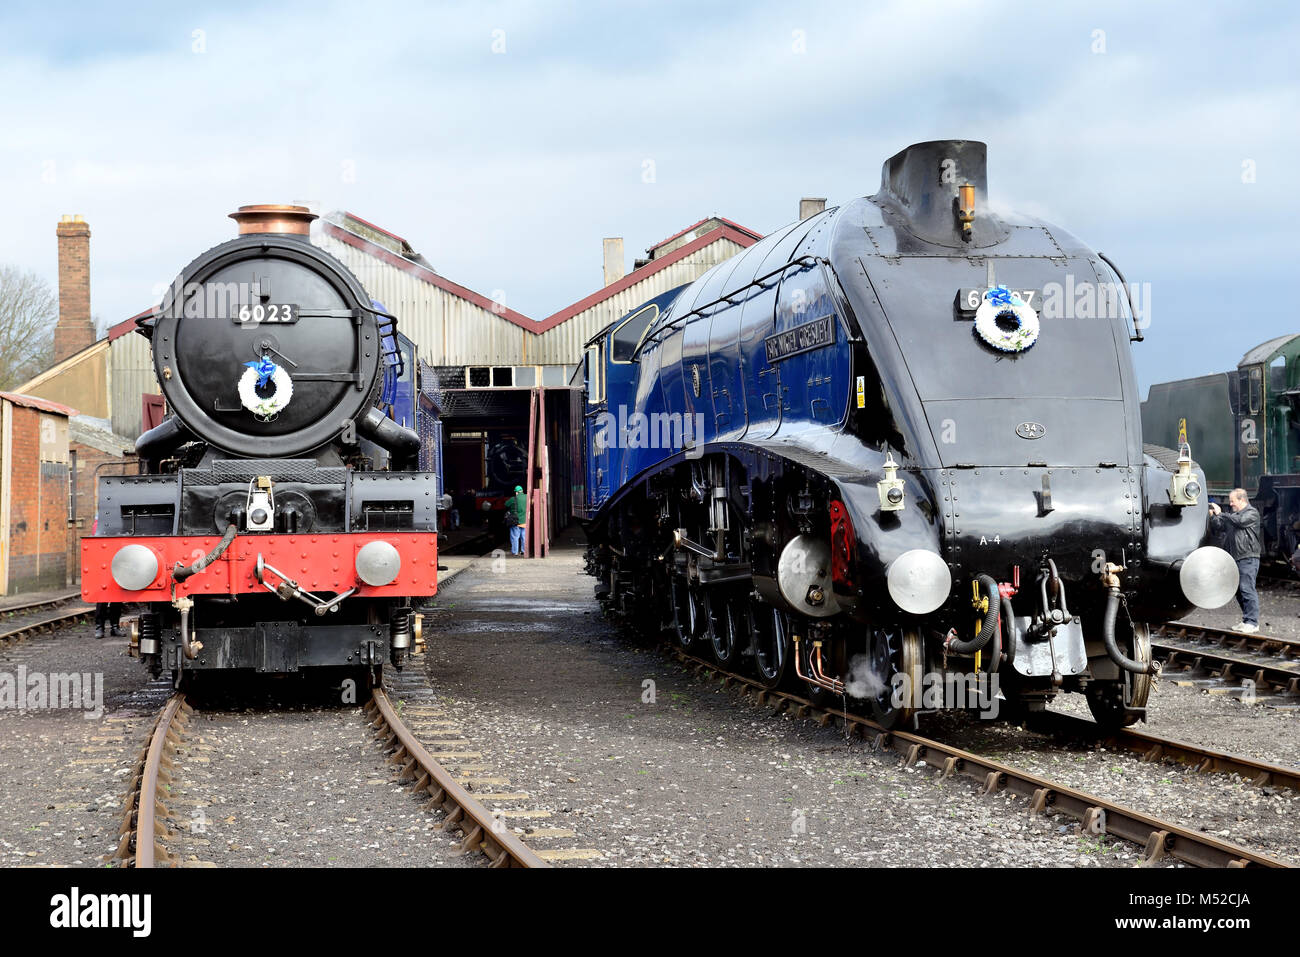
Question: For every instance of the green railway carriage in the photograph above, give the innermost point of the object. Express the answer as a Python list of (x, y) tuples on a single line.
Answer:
[(1243, 427)]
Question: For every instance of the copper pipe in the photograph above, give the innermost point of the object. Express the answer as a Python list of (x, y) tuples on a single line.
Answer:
[(273, 218), (832, 684), (818, 677)]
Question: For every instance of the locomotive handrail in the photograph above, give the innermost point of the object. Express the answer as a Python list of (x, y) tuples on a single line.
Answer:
[(1137, 333), (674, 321)]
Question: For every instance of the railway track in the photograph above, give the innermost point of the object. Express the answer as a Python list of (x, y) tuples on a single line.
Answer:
[(1159, 839), (26, 619), (144, 811), (1270, 664), (1155, 747), (481, 829)]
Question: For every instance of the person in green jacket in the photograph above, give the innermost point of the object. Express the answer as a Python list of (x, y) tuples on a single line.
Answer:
[(516, 511)]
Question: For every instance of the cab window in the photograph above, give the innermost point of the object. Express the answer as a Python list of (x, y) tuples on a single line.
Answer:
[(595, 376), (628, 336)]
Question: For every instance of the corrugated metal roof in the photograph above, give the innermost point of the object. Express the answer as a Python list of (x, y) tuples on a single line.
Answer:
[(683, 232), (32, 402), (452, 325)]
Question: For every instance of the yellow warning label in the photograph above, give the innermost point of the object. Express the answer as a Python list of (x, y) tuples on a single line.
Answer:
[(862, 392)]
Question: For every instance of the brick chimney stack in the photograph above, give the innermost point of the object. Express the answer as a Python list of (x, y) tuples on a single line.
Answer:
[(74, 330)]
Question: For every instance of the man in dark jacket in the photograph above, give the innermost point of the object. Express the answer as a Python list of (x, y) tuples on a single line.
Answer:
[(1242, 527), (516, 514)]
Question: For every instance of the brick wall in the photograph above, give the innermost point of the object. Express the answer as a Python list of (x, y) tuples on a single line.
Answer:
[(74, 330), (38, 510), (91, 462)]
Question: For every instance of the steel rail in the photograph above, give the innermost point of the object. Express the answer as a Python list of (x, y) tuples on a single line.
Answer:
[(36, 627), (142, 811), (481, 829), (1221, 650), (1260, 644), (23, 606), (1156, 747), (1158, 838)]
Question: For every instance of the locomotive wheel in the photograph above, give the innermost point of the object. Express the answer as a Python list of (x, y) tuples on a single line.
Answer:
[(689, 619), (896, 651), (769, 642), (726, 625), (1107, 699)]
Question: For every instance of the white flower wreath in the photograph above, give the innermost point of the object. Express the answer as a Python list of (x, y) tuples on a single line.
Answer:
[(265, 408), (998, 304)]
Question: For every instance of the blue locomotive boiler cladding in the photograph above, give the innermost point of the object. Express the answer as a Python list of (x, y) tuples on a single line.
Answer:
[(892, 447)]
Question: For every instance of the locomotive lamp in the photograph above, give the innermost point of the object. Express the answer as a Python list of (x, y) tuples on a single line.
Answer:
[(966, 209), (1184, 489), (261, 505), (890, 488)]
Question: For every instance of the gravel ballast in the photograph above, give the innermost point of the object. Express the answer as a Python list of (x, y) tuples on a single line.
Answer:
[(685, 772)]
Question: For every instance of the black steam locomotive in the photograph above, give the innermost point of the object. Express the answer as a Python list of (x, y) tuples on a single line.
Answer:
[(280, 521), (882, 454)]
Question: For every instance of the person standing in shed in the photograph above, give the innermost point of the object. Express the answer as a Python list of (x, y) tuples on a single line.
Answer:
[(516, 512)]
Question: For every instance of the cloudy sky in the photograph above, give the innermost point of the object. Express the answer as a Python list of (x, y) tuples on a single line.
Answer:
[(505, 140)]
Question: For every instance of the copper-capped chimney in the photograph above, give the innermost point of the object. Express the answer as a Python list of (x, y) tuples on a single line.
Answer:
[(274, 218)]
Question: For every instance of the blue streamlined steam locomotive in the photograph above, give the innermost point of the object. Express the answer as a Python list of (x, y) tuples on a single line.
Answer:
[(893, 451)]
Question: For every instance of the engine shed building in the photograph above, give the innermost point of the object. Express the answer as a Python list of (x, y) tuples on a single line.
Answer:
[(502, 377)]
